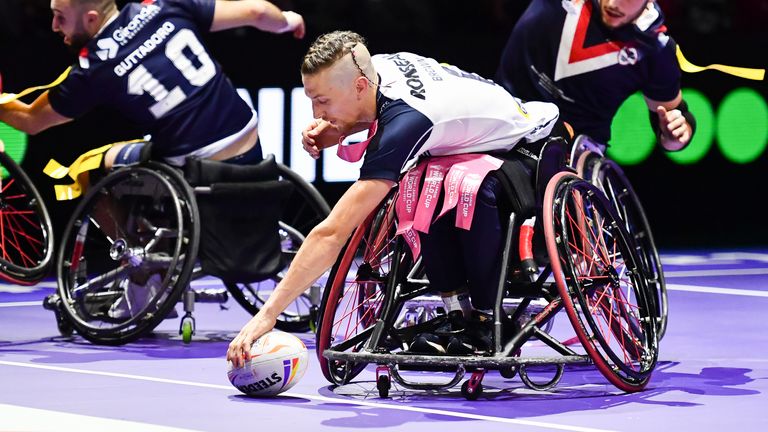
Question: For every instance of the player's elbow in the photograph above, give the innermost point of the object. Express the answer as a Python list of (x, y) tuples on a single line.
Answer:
[(255, 11), (32, 129)]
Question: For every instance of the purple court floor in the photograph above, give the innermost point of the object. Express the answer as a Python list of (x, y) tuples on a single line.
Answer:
[(712, 374)]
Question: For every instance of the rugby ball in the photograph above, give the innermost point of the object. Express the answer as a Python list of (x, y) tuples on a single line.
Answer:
[(278, 361)]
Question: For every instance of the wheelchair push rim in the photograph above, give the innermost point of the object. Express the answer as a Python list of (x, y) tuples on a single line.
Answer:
[(353, 299), (135, 232), (596, 272), (609, 177)]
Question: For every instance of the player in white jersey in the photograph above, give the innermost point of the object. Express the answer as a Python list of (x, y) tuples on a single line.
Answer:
[(412, 106)]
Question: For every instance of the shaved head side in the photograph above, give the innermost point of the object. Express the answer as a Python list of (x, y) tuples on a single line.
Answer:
[(330, 48)]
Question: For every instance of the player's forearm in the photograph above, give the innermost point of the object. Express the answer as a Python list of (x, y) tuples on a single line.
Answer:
[(18, 115), (316, 255), (255, 13), (33, 118)]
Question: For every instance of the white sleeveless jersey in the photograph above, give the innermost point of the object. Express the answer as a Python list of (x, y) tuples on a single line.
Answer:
[(469, 113)]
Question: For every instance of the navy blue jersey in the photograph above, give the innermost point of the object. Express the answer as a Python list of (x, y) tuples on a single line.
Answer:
[(149, 64), (560, 51), (401, 132)]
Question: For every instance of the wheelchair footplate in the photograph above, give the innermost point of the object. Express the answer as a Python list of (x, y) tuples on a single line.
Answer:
[(507, 361)]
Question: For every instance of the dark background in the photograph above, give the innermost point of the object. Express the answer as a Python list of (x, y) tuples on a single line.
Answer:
[(714, 203)]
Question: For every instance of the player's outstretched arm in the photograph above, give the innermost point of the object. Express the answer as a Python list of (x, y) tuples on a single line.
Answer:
[(316, 255), (257, 13), (31, 118)]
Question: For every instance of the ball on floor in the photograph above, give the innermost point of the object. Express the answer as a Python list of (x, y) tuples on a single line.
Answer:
[(278, 361)]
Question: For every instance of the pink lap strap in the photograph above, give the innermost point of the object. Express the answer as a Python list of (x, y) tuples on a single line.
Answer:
[(461, 175)]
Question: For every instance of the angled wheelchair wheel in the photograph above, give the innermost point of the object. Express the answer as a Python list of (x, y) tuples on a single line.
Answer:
[(609, 177), (26, 235), (353, 297), (304, 209), (128, 253), (599, 278), (251, 296)]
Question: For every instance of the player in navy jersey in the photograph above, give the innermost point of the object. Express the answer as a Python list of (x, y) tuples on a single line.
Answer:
[(589, 56), (148, 62), (412, 106)]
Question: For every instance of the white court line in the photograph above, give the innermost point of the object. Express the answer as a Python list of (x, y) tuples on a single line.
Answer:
[(13, 288), (317, 398), (724, 272), (16, 304), (711, 290), (23, 418)]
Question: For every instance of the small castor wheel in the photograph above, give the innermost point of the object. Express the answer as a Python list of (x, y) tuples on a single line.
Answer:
[(508, 372), (383, 385), (64, 326), (53, 304), (187, 328), (471, 392)]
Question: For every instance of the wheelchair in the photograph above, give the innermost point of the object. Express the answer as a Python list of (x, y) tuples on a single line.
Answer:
[(377, 297), (144, 231), (26, 233), (587, 157)]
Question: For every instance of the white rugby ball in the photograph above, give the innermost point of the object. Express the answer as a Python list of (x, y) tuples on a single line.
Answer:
[(278, 361)]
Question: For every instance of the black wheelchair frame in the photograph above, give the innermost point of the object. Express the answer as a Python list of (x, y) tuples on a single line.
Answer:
[(594, 273), (140, 228)]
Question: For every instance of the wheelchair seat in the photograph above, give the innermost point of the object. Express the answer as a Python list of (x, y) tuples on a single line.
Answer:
[(235, 202)]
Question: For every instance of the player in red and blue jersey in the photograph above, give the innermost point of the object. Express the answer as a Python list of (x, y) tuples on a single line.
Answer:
[(589, 56), (148, 62)]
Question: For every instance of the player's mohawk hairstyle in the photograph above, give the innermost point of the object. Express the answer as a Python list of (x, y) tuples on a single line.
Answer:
[(328, 49)]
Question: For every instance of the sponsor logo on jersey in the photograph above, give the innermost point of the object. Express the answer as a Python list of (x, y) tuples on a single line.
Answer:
[(108, 48), (122, 35), (628, 56), (145, 48)]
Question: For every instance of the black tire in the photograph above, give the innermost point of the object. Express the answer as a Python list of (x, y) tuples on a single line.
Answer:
[(26, 234), (598, 276), (352, 302), (383, 385), (137, 229), (609, 177), (304, 209), (471, 394)]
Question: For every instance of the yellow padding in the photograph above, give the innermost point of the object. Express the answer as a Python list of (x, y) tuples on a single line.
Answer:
[(752, 74), (10, 97), (78, 171)]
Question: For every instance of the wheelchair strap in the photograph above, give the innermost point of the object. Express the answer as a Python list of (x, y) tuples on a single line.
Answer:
[(78, 172), (460, 176)]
